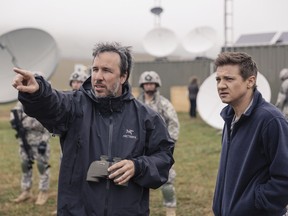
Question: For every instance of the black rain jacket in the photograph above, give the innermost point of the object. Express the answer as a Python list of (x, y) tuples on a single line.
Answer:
[(119, 127)]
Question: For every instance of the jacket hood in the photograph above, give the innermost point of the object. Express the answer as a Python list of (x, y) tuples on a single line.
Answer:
[(108, 104)]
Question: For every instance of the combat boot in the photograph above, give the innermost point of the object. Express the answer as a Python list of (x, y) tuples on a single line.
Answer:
[(42, 198), (25, 195), (54, 212), (170, 211)]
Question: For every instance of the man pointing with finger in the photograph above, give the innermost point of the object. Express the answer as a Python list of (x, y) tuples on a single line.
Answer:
[(114, 147)]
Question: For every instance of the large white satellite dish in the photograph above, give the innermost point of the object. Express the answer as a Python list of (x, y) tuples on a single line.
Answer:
[(28, 48), (209, 104), (160, 42), (200, 39)]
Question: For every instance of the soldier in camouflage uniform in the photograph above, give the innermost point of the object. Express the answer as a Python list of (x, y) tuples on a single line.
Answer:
[(282, 99), (150, 81), (38, 139)]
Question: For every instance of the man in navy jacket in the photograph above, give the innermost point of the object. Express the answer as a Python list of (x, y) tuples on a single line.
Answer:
[(102, 120), (252, 177)]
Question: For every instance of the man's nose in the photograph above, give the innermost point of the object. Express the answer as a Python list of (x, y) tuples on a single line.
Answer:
[(99, 75), (221, 84)]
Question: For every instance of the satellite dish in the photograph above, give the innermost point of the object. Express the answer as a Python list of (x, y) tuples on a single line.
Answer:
[(209, 105), (200, 39), (160, 42), (28, 48)]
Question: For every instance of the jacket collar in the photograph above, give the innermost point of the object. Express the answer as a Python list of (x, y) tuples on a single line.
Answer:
[(228, 112)]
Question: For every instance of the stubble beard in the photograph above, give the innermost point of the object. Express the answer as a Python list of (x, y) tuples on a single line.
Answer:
[(110, 93), (150, 92)]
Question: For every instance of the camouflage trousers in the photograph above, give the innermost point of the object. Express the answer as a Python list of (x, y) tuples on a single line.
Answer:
[(42, 163), (168, 190)]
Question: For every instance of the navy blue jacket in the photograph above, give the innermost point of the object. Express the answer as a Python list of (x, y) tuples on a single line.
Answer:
[(253, 173), (116, 127)]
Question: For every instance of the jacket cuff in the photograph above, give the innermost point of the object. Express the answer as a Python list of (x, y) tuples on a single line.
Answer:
[(137, 167), (32, 96)]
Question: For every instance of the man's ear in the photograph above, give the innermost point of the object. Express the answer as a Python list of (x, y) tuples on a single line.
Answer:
[(123, 78), (251, 82)]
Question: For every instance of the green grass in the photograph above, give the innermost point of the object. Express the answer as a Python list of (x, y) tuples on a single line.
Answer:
[(196, 162)]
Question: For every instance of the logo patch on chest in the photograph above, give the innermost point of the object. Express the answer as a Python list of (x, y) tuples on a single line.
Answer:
[(129, 134)]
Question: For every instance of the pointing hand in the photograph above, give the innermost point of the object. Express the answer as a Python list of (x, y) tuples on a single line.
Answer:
[(24, 81)]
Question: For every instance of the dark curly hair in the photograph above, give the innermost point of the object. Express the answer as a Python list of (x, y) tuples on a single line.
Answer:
[(123, 51)]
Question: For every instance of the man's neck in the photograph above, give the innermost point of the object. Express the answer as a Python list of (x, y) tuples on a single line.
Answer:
[(243, 106)]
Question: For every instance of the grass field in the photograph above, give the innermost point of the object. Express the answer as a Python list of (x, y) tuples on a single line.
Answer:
[(196, 155)]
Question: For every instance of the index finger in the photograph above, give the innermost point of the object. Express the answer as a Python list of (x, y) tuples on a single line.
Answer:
[(116, 166), (22, 72)]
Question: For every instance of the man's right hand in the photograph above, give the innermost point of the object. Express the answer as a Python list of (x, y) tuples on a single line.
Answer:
[(24, 81)]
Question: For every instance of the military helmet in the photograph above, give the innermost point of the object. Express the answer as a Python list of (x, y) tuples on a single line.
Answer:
[(283, 74), (79, 74), (149, 77)]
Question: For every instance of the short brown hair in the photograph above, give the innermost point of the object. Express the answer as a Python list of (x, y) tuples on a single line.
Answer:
[(247, 65)]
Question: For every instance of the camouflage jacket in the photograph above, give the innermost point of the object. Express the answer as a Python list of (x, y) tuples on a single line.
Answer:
[(164, 107), (35, 132)]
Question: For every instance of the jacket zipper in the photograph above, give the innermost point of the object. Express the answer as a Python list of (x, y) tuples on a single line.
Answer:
[(229, 135), (74, 161), (109, 156)]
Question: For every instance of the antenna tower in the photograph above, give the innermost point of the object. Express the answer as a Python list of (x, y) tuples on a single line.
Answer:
[(228, 25)]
